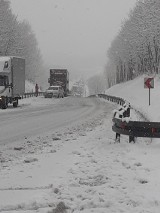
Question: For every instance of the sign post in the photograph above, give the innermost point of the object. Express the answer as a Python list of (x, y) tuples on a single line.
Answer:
[(149, 96), (149, 83)]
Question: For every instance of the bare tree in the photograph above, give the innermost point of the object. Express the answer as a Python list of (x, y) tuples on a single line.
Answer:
[(17, 38), (136, 49)]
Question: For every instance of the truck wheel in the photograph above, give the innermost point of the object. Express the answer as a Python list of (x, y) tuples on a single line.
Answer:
[(15, 104), (4, 103), (4, 106)]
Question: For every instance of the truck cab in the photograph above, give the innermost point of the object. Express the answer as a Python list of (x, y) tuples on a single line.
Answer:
[(60, 77)]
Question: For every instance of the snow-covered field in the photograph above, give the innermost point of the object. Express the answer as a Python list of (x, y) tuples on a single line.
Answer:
[(82, 169), (134, 92)]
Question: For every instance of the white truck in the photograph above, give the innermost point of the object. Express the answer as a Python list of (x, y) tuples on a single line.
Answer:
[(12, 80)]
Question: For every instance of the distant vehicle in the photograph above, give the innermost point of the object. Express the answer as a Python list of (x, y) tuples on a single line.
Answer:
[(60, 77), (77, 90), (54, 91), (12, 80)]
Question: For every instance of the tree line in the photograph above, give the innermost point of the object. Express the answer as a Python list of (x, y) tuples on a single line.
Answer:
[(136, 48), (18, 39)]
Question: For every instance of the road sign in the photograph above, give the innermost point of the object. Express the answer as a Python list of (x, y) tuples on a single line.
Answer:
[(149, 83)]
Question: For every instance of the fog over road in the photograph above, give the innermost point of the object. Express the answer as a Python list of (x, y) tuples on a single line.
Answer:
[(46, 116)]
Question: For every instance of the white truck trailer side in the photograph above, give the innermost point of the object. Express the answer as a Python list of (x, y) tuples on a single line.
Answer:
[(12, 80)]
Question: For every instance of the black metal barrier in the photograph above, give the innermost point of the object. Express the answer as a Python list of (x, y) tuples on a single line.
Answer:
[(123, 125), (115, 99), (31, 94), (136, 129)]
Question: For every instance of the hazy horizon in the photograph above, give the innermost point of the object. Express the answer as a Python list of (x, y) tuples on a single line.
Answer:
[(74, 34)]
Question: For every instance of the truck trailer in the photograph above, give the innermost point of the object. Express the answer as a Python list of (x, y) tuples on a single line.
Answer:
[(12, 80), (60, 77)]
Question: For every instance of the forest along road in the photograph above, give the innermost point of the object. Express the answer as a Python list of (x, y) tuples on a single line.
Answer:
[(28, 121)]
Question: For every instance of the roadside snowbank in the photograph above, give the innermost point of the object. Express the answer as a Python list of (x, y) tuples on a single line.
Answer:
[(134, 92)]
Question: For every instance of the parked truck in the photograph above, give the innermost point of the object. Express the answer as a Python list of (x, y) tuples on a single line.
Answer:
[(60, 77), (12, 80)]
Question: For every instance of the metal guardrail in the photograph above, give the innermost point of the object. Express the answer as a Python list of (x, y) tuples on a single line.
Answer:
[(133, 129), (118, 100), (115, 99), (136, 129), (32, 94)]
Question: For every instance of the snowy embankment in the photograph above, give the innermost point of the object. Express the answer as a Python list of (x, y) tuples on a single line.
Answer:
[(82, 169), (134, 92)]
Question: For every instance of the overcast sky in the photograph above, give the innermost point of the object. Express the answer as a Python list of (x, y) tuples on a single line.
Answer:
[(74, 34)]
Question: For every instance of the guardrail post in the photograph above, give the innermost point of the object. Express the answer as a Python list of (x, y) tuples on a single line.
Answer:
[(118, 137), (127, 112), (131, 139)]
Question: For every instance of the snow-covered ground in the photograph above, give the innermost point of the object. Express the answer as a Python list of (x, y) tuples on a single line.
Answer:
[(82, 169), (134, 92), (29, 86)]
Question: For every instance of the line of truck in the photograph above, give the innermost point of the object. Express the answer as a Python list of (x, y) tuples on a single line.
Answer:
[(12, 80)]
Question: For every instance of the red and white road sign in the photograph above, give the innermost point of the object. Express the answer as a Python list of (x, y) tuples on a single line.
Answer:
[(149, 83)]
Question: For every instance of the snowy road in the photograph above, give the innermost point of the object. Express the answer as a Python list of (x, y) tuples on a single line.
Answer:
[(33, 167), (78, 167), (45, 115)]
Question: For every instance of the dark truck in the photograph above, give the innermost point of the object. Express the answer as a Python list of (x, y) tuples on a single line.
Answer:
[(60, 77)]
